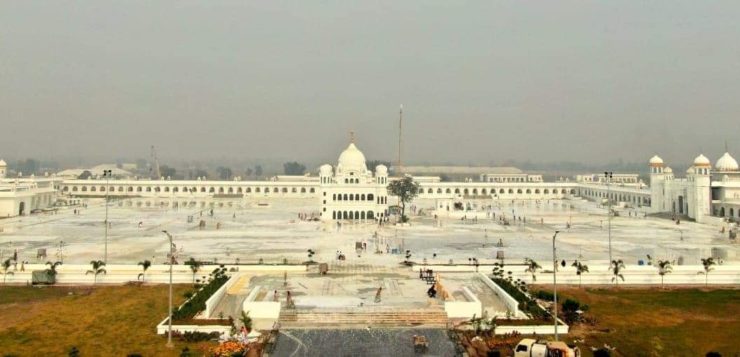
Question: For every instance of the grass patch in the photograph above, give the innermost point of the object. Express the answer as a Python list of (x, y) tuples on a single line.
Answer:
[(103, 321), (656, 322)]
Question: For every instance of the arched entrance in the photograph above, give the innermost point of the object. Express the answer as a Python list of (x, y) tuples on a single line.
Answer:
[(22, 208)]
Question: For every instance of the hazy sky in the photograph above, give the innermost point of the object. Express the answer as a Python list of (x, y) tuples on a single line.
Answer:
[(480, 81)]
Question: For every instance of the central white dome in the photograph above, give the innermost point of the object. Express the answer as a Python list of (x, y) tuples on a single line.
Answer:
[(352, 159), (726, 163)]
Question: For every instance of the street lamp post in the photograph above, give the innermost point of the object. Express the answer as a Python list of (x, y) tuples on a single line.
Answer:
[(555, 285), (107, 175), (172, 260), (608, 178)]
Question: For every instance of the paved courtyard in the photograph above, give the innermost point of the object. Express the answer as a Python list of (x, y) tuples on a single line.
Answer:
[(248, 231)]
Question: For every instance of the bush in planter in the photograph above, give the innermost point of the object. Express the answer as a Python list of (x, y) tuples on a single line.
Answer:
[(197, 302)]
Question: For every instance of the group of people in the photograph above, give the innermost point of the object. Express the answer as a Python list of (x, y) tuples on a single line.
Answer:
[(14, 261)]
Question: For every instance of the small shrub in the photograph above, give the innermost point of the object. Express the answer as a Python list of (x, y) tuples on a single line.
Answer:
[(74, 352), (544, 295)]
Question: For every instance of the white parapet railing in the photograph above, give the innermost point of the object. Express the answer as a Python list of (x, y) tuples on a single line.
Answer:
[(124, 273)]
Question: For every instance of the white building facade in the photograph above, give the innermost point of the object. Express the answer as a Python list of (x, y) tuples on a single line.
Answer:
[(351, 191)]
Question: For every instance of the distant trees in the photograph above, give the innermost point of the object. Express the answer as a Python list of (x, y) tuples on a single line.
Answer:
[(27, 166), (200, 173), (224, 173), (85, 175), (167, 171), (294, 168), (258, 170), (248, 172), (406, 189)]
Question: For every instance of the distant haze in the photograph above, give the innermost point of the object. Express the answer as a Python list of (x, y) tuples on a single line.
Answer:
[(481, 81)]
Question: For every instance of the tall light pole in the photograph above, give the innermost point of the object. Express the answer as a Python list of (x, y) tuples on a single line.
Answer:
[(172, 261), (555, 285), (608, 178), (107, 175)]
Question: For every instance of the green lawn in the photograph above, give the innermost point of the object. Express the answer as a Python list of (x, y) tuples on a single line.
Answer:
[(100, 321), (656, 322)]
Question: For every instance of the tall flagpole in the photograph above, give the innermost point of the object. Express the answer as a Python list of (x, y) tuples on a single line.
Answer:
[(400, 134)]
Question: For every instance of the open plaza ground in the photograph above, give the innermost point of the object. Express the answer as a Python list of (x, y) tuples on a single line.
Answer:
[(247, 231)]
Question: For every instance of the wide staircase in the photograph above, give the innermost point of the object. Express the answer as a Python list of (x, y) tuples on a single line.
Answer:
[(363, 317)]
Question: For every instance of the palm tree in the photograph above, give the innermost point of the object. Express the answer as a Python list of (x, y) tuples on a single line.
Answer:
[(6, 266), (616, 267), (144, 266), (52, 271), (664, 267), (580, 269), (532, 267), (97, 268), (707, 263), (194, 266)]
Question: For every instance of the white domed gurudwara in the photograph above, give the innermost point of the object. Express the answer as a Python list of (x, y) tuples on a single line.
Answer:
[(352, 192), (726, 163)]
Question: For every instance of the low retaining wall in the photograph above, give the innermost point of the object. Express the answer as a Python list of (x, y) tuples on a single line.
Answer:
[(261, 309), (464, 309), (163, 327), (212, 301), (511, 304)]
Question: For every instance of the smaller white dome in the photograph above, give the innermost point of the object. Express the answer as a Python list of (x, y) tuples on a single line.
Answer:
[(325, 170), (381, 170), (3, 163), (668, 170), (656, 160), (702, 160), (726, 163)]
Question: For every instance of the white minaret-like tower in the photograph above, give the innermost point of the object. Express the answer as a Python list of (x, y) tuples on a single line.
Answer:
[(657, 184), (3, 169), (700, 192)]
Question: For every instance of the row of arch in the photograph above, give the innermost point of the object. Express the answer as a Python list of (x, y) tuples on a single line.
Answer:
[(493, 191), (214, 190), (352, 197), (354, 215), (729, 212), (617, 196)]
